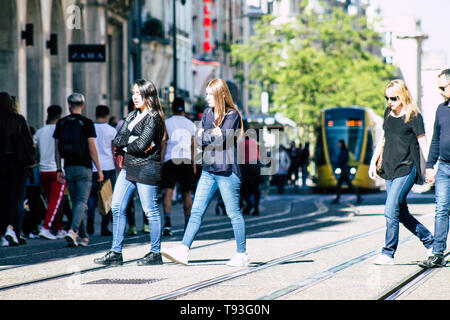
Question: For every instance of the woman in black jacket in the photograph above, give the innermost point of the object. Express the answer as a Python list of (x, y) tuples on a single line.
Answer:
[(139, 139), (12, 171)]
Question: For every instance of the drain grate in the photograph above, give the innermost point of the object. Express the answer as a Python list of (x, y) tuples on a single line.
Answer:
[(124, 281)]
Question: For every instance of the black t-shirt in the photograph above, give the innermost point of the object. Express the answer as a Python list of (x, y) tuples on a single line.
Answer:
[(401, 148), (88, 129)]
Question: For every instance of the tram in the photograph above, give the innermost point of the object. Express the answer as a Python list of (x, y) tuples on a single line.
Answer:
[(360, 128)]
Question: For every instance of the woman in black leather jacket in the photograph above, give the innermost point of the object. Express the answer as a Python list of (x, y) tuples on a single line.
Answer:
[(139, 139), (12, 173)]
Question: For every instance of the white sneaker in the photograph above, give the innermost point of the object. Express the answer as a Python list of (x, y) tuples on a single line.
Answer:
[(4, 242), (178, 254), (71, 238), (31, 235), (238, 260), (46, 234), (383, 259), (10, 235), (84, 242), (61, 234)]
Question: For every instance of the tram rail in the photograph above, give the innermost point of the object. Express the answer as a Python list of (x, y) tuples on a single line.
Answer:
[(321, 210), (411, 283), (286, 291)]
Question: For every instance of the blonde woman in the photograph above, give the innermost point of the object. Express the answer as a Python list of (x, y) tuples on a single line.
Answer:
[(403, 140), (140, 139), (221, 126)]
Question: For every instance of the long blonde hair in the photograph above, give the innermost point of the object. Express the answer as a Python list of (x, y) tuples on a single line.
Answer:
[(223, 101), (402, 91)]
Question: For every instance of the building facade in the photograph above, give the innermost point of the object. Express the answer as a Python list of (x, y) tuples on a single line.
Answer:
[(159, 51), (34, 54), (432, 65), (403, 40)]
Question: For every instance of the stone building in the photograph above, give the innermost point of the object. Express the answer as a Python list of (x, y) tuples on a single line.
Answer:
[(157, 47), (216, 26), (433, 62), (34, 54), (403, 40)]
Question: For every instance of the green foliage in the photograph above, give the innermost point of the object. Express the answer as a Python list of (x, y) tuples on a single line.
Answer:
[(315, 61)]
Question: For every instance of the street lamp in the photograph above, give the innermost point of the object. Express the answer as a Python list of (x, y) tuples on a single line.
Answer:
[(174, 35)]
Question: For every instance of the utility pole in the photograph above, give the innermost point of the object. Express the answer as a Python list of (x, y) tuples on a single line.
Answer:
[(174, 36)]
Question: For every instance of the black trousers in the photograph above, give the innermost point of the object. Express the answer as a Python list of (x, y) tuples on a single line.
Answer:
[(12, 192), (345, 178)]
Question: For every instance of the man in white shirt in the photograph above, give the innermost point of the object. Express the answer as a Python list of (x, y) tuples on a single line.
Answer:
[(103, 143), (43, 138), (178, 164)]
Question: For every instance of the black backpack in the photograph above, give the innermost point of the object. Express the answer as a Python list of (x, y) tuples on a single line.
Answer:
[(72, 140)]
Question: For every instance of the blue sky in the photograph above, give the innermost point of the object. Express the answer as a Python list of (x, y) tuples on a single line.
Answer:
[(434, 16)]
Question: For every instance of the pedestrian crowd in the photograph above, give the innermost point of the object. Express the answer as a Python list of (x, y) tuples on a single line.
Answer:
[(61, 169)]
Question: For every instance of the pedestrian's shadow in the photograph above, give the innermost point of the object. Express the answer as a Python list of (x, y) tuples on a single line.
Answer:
[(415, 263), (208, 262), (258, 264), (218, 262)]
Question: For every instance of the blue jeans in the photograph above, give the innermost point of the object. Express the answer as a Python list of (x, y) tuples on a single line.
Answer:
[(229, 187), (442, 189), (79, 182), (148, 194), (396, 210)]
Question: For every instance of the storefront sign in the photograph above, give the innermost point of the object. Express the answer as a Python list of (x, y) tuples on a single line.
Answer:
[(87, 53), (207, 24)]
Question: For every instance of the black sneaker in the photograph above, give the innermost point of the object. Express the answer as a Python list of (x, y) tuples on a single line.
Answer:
[(435, 261), (110, 259), (167, 231), (335, 201), (149, 259)]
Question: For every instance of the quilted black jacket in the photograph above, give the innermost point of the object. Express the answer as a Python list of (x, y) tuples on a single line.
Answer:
[(141, 166)]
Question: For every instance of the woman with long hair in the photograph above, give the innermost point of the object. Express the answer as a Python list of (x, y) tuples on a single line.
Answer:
[(140, 139), (399, 149), (221, 127), (12, 172)]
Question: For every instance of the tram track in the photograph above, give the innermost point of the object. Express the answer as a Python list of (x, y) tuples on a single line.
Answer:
[(321, 210), (250, 223), (293, 288), (284, 292), (411, 283), (275, 262), (206, 226)]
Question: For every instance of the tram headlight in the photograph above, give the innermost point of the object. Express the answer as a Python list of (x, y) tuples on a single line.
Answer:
[(353, 170), (337, 171)]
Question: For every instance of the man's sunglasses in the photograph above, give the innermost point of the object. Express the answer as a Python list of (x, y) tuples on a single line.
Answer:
[(443, 88), (393, 99)]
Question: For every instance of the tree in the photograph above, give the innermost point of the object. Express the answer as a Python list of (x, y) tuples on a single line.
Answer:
[(314, 61)]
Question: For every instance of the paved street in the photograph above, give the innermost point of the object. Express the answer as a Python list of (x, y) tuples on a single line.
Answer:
[(301, 247)]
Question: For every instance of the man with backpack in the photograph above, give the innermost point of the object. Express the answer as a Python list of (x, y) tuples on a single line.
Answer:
[(75, 143)]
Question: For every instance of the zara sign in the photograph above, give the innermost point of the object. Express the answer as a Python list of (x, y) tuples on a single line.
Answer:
[(87, 53)]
